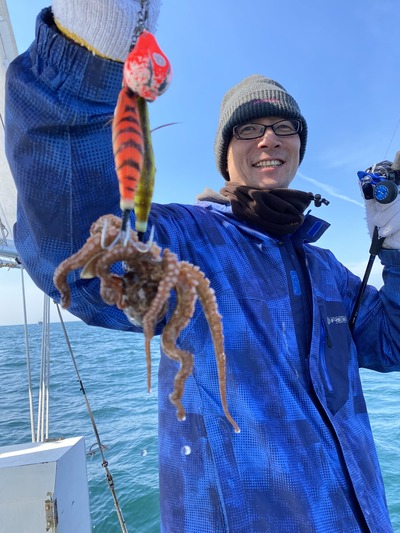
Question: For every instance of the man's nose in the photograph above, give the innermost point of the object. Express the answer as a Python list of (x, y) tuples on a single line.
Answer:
[(269, 139)]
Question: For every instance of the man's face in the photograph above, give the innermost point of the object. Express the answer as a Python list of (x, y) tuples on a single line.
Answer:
[(267, 162)]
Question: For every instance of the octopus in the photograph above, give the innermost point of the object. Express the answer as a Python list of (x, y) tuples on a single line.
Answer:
[(143, 292)]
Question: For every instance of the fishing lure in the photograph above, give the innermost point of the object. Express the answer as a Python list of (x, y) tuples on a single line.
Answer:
[(147, 74), (144, 191), (128, 146)]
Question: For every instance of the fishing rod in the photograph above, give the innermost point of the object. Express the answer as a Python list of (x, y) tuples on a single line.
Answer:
[(101, 447), (379, 183)]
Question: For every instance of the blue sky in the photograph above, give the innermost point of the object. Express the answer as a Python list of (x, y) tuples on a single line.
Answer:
[(338, 59)]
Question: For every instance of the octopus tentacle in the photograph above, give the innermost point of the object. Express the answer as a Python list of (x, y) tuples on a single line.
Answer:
[(85, 255), (170, 268), (208, 301), (186, 300), (91, 248)]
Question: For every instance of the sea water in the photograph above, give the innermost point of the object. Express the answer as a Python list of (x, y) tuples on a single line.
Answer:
[(112, 368)]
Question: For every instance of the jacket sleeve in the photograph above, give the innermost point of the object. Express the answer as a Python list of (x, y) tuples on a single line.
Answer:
[(60, 101), (376, 332), (377, 328)]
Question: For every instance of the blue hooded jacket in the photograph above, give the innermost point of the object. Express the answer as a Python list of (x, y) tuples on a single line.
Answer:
[(305, 459)]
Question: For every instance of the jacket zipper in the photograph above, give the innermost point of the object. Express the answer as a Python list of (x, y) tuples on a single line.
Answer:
[(325, 338)]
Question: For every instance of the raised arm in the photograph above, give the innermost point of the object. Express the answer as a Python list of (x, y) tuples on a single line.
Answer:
[(60, 99), (376, 320)]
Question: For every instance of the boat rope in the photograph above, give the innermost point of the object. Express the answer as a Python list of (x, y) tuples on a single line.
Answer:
[(8, 264), (44, 390), (28, 357), (3, 234), (101, 447)]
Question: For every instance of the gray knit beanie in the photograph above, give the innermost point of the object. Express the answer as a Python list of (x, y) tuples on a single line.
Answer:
[(252, 98)]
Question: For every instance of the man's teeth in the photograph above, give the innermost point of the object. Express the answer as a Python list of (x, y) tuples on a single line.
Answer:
[(270, 163)]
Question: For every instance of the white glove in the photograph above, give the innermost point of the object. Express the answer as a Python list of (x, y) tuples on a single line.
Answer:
[(385, 217), (105, 27)]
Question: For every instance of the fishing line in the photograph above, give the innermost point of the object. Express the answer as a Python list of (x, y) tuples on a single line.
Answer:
[(104, 463), (391, 140), (142, 17)]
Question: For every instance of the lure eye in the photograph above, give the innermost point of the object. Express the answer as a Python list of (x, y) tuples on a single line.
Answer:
[(159, 59)]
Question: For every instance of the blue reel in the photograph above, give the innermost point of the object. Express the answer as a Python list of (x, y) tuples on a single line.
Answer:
[(378, 187)]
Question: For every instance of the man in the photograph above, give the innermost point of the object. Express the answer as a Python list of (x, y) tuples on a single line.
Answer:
[(305, 460)]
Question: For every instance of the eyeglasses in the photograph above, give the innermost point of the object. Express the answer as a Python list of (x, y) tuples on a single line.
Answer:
[(253, 130)]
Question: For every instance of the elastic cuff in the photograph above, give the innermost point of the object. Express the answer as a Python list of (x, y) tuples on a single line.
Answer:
[(390, 257), (82, 42), (67, 67)]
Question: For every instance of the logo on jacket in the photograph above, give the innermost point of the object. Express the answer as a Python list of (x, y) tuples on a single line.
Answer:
[(341, 319)]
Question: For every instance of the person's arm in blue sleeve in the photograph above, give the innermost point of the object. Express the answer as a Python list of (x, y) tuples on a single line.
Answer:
[(376, 328), (60, 100), (377, 332)]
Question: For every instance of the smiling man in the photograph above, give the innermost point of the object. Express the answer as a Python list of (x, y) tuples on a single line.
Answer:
[(260, 142), (270, 156), (305, 460)]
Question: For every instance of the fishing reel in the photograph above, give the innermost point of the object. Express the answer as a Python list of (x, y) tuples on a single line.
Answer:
[(380, 183)]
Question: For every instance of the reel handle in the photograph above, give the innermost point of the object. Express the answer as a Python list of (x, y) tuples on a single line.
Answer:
[(396, 162), (386, 191)]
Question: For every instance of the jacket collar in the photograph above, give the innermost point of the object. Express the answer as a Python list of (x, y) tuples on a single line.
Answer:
[(312, 228), (310, 231)]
